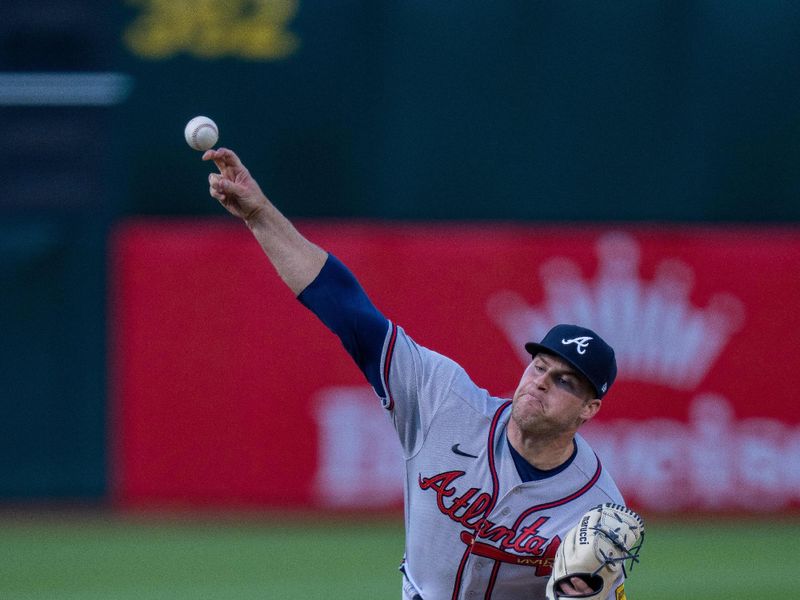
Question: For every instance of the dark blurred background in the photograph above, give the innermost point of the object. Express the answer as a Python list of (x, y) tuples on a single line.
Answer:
[(513, 110)]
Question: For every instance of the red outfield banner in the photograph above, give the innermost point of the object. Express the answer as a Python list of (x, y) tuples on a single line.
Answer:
[(227, 391)]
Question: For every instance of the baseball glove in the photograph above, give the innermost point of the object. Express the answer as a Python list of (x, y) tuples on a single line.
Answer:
[(596, 550)]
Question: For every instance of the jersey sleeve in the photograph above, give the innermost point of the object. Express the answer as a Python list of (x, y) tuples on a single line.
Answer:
[(418, 381)]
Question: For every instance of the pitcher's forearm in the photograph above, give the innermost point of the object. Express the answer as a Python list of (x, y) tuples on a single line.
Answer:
[(297, 260)]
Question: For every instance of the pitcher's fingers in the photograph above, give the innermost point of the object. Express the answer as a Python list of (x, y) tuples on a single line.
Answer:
[(216, 194), (218, 157), (212, 154), (215, 184), (575, 587), (224, 158)]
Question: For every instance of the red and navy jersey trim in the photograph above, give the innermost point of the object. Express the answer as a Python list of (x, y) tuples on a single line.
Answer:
[(566, 499), (490, 453), (388, 401)]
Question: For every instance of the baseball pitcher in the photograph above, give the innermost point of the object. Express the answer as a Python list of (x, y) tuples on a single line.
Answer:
[(503, 498)]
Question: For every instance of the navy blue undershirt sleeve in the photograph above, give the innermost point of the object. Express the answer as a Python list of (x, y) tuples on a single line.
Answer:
[(340, 302)]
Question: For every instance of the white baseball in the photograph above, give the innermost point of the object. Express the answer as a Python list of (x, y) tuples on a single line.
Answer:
[(201, 133)]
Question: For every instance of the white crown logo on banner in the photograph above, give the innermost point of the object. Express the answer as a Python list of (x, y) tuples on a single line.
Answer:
[(657, 334)]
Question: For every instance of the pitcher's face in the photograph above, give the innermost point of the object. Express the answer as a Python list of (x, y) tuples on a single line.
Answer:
[(552, 397)]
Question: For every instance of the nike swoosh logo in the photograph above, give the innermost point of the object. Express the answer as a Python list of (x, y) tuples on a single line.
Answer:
[(461, 452)]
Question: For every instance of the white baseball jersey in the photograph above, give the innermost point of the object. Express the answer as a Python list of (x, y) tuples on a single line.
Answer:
[(474, 529)]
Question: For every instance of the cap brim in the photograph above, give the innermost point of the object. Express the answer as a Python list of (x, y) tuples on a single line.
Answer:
[(534, 349)]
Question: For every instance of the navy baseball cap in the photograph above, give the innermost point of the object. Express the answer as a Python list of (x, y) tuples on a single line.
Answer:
[(582, 348)]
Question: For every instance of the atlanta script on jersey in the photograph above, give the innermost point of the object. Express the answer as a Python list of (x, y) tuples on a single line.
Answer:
[(474, 529)]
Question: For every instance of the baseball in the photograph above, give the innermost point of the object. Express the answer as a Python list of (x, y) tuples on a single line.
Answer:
[(201, 133)]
